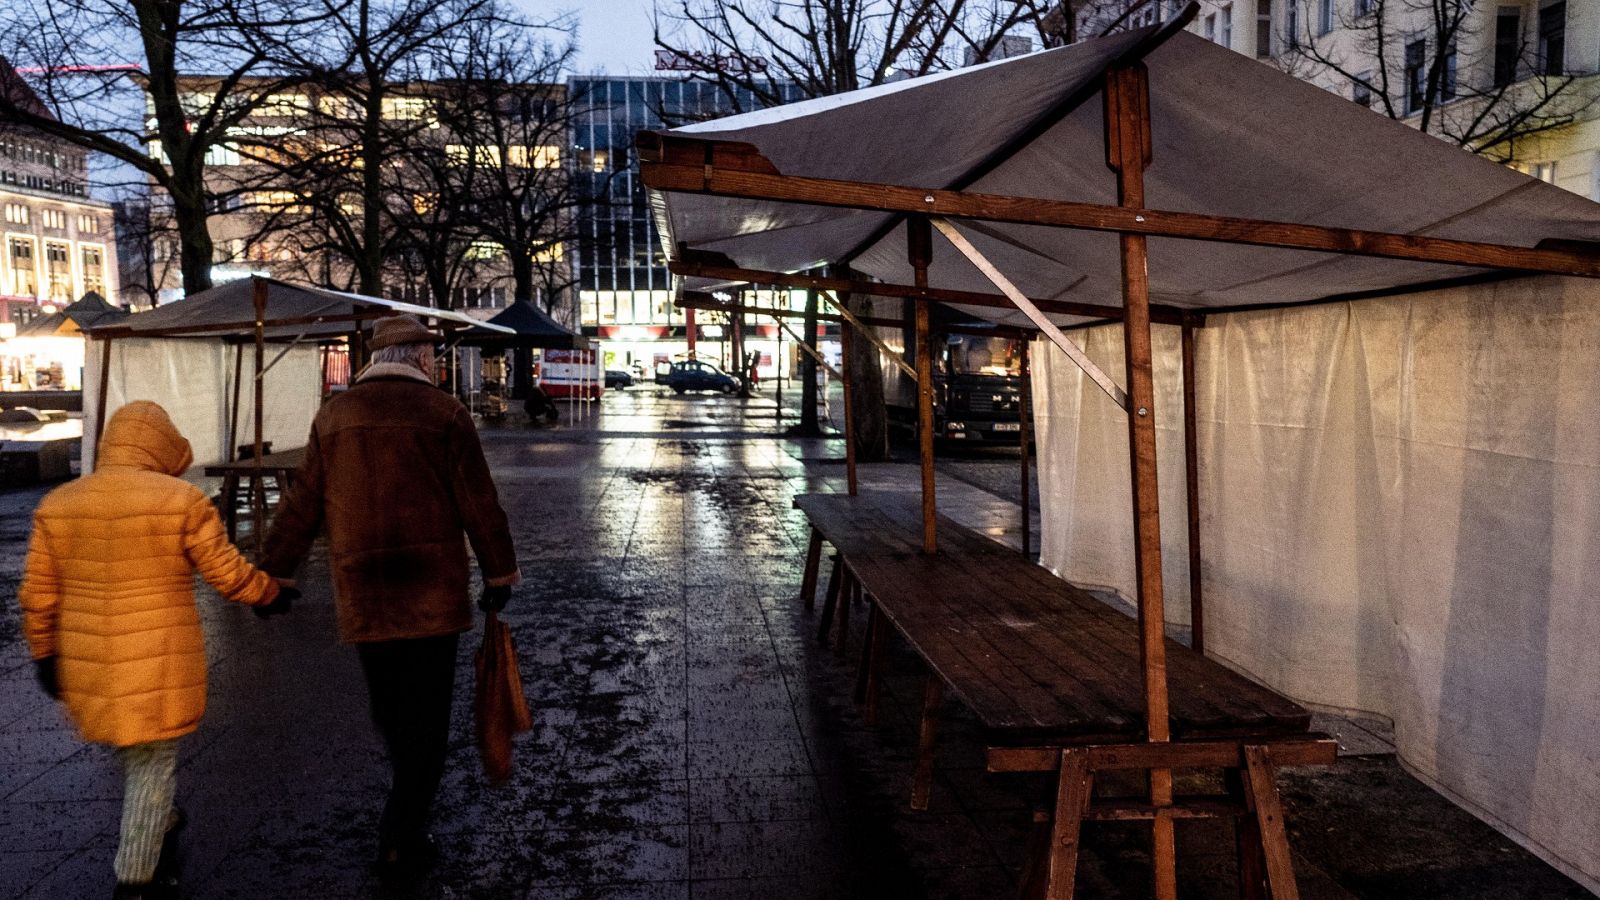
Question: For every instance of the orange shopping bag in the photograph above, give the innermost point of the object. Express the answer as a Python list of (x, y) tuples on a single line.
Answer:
[(500, 707)]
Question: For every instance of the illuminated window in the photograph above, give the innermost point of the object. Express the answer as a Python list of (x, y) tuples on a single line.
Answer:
[(16, 214), (88, 224), (285, 105), (461, 154), (485, 250), (58, 272), (93, 258), (422, 204), (24, 277), (226, 154), (53, 218), (405, 107), (544, 157)]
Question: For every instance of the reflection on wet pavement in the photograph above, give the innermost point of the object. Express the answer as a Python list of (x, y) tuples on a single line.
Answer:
[(691, 737)]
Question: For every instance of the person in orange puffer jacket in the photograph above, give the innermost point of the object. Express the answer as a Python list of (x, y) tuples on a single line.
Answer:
[(109, 614)]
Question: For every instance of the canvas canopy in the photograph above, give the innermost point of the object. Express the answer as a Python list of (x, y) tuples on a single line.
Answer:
[(1231, 137), (291, 310), (527, 326)]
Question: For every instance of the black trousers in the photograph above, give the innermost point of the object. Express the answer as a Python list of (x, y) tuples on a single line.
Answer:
[(410, 684)]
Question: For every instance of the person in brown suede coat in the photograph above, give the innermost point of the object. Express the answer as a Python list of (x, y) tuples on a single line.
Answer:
[(395, 474)]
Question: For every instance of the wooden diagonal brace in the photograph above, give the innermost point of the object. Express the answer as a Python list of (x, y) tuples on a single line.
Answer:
[(1078, 357), (872, 336), (810, 350)]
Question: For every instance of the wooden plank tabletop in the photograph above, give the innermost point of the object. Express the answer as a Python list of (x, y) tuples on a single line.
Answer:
[(284, 460), (1032, 655)]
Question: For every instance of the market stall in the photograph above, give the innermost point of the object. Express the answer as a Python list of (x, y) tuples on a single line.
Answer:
[(987, 188), (189, 356)]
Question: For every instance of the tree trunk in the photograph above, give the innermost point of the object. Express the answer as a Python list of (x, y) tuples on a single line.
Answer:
[(369, 262), (522, 275), (808, 373), (195, 249), (866, 392)]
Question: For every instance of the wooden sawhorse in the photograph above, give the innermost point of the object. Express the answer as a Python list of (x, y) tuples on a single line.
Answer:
[(1248, 765)]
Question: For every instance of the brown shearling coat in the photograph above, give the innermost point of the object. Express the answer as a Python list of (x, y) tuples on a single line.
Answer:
[(395, 472)]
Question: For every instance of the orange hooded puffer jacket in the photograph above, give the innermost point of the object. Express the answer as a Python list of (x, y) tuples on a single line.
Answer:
[(108, 587)]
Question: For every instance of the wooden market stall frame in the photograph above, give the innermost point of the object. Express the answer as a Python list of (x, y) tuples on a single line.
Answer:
[(679, 163)]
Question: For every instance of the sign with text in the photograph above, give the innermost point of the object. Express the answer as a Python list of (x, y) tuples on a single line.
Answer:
[(678, 61)]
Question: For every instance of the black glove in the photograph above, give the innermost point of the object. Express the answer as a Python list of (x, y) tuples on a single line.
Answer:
[(279, 605), (44, 668), (494, 597)]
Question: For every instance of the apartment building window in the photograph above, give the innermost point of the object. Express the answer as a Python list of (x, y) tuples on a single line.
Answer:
[(1225, 26), (88, 224), (1447, 87), (1263, 28), (1553, 39), (16, 214), (1416, 75), (24, 276), (93, 259), (1291, 23), (1507, 44), (226, 154), (1324, 16), (1365, 7), (542, 157), (1211, 28), (54, 218), (485, 250), (1361, 89), (1544, 171), (58, 272)]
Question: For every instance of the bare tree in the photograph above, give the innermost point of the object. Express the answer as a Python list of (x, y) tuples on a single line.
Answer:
[(1426, 62), (334, 188), (509, 117), (63, 45), (146, 250)]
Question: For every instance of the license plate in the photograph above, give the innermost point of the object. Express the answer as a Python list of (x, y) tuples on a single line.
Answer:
[(1007, 426)]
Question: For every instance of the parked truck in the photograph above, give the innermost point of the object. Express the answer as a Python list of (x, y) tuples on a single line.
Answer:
[(977, 381)]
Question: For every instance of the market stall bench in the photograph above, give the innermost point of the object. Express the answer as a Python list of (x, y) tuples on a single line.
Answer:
[(1053, 675)]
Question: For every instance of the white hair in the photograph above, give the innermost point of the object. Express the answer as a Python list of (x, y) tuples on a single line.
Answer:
[(417, 356)]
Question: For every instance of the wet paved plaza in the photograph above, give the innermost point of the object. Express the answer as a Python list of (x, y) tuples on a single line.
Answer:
[(692, 738)]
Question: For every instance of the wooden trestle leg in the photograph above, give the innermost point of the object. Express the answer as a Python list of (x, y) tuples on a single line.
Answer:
[(1268, 808), (1073, 793), (922, 778), (808, 584), (830, 599), (849, 594)]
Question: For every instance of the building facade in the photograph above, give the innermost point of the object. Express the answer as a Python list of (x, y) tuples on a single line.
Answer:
[(625, 292), (59, 242), (1516, 80), (270, 215)]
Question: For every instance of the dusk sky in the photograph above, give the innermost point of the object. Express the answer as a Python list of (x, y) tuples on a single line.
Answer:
[(613, 35)]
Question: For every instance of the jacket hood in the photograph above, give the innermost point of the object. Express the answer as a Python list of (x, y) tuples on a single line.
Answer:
[(141, 435)]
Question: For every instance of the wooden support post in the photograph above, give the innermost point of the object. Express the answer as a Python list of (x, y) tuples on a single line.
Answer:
[(101, 395), (919, 250), (845, 342), (1247, 840), (1073, 793), (258, 493), (865, 665), (1024, 398), (1127, 117), (231, 452), (922, 776), (1191, 459), (808, 583)]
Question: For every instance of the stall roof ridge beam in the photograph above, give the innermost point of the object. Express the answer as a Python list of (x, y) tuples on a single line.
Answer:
[(666, 167), (688, 267)]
